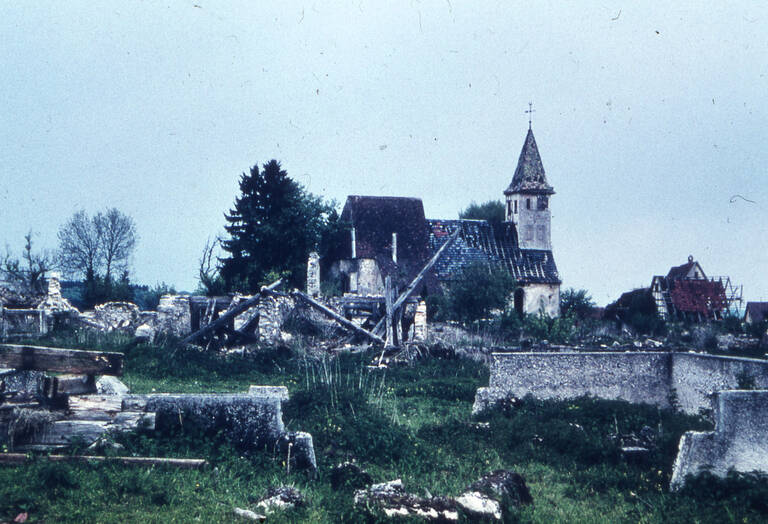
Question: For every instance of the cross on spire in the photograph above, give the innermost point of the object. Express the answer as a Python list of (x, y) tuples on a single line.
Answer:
[(529, 112)]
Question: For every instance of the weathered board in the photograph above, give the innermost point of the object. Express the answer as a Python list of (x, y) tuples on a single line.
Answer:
[(63, 360), (15, 459)]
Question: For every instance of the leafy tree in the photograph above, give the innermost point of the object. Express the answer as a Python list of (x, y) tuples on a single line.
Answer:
[(493, 211), (576, 302), (95, 249), (272, 227), (478, 290)]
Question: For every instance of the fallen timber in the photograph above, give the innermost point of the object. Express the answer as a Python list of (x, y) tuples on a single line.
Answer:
[(230, 315), (380, 327), (16, 459), (338, 318), (74, 361)]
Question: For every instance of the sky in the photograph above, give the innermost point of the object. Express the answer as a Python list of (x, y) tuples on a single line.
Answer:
[(651, 121)]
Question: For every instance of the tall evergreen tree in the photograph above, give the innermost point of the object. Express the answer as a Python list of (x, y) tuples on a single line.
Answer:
[(272, 227)]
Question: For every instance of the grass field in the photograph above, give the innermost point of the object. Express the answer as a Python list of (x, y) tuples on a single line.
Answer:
[(409, 422)]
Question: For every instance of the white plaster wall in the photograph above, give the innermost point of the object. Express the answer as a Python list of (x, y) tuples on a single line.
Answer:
[(542, 296), (369, 281)]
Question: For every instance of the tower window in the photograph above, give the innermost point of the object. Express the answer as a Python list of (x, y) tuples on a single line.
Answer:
[(515, 206), (543, 201), (527, 203)]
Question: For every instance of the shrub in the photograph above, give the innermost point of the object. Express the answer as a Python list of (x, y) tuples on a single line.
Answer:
[(477, 291), (576, 302)]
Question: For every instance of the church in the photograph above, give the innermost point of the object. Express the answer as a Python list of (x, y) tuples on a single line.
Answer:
[(391, 237)]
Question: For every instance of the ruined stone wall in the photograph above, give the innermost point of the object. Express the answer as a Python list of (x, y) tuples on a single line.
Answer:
[(174, 316), (634, 377), (273, 311), (369, 280), (739, 441), (420, 322), (696, 377), (540, 297), (313, 274), (686, 381)]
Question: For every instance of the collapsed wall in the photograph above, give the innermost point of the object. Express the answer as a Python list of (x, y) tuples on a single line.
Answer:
[(691, 382), (686, 381), (252, 420), (739, 441)]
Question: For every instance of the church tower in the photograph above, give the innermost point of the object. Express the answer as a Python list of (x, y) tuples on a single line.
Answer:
[(528, 199)]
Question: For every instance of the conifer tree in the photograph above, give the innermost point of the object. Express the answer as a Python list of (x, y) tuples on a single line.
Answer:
[(272, 227)]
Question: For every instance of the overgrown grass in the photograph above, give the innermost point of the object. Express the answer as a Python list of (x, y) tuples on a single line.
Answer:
[(409, 422)]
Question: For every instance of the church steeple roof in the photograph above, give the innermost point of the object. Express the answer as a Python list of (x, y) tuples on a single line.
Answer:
[(529, 176)]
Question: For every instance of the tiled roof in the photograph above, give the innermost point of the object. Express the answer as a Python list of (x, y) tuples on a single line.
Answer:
[(529, 175), (479, 241), (698, 296), (375, 218)]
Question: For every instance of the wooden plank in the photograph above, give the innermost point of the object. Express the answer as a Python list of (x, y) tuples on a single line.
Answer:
[(17, 459), (388, 310), (75, 384), (338, 318), (64, 360), (224, 319), (378, 329)]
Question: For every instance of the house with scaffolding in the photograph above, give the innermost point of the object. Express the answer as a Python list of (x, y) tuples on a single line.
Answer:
[(687, 293)]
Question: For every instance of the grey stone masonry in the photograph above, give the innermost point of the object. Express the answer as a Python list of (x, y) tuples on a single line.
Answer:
[(739, 441), (420, 322), (686, 381), (252, 420), (313, 274)]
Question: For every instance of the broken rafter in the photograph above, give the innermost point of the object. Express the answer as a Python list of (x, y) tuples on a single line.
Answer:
[(231, 314), (338, 318), (15, 459), (64, 360), (412, 286)]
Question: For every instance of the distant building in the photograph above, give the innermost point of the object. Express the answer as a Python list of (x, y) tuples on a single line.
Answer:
[(686, 292), (756, 312), (390, 236)]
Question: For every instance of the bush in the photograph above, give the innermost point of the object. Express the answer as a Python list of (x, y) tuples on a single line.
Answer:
[(576, 302), (478, 290)]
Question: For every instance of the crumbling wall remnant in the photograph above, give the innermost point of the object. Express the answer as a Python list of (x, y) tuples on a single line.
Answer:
[(273, 311), (313, 274), (420, 322), (174, 316), (686, 381), (739, 441)]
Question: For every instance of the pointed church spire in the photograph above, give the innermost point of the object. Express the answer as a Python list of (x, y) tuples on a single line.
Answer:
[(529, 176)]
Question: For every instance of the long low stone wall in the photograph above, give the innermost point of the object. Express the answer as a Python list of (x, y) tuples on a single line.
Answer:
[(686, 381), (739, 441), (249, 420)]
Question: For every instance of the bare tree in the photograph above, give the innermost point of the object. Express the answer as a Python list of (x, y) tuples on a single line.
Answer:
[(208, 273), (80, 246), (105, 242), (117, 233), (30, 270)]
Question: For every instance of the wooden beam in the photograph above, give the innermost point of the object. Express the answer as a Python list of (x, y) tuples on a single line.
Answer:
[(64, 360), (338, 318), (390, 338), (412, 286), (224, 319), (17, 459)]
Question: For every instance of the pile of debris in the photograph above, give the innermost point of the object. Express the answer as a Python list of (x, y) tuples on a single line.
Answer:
[(88, 404), (42, 412)]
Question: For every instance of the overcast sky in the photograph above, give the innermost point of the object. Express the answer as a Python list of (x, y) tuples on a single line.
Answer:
[(651, 120)]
